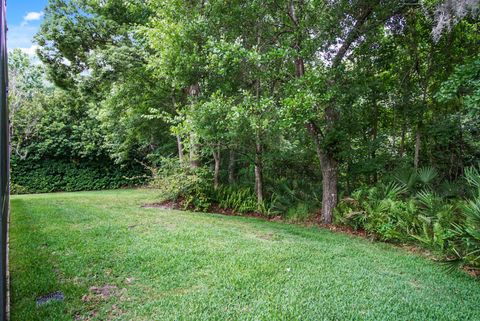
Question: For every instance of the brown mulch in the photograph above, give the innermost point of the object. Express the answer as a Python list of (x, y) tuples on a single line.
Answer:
[(472, 271)]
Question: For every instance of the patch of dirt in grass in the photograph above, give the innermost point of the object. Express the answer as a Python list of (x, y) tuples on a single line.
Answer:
[(415, 284), (115, 313), (97, 296), (267, 236), (90, 316), (166, 205), (416, 250), (215, 208), (100, 293)]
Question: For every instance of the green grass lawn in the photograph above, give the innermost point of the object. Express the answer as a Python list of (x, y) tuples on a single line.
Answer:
[(117, 261)]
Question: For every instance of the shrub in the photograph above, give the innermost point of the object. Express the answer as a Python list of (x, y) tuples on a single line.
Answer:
[(393, 212), (43, 176), (239, 199), (300, 213), (193, 189), (379, 211), (178, 182), (297, 199)]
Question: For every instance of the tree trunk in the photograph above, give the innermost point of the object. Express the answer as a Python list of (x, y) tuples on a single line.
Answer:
[(374, 139), (231, 167), (328, 164), (180, 149), (416, 158), (258, 171), (329, 183), (193, 151), (329, 167), (216, 173), (193, 91), (402, 139)]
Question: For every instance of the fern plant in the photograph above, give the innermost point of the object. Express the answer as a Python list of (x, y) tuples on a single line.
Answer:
[(239, 199), (467, 245)]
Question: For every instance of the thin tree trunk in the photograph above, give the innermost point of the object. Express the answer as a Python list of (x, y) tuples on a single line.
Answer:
[(194, 163), (418, 141), (374, 137), (231, 167), (258, 170), (402, 139), (258, 153), (180, 149), (194, 91), (216, 173), (179, 138)]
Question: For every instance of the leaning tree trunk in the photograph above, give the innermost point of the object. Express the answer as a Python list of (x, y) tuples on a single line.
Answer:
[(179, 138), (402, 139), (329, 168), (216, 172), (328, 164), (374, 139)]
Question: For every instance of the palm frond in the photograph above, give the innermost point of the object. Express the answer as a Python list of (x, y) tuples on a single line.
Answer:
[(426, 175), (472, 175)]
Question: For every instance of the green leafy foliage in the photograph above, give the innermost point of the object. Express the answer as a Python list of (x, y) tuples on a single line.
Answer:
[(239, 199), (467, 233), (52, 175), (448, 227), (181, 184), (379, 211), (435, 218)]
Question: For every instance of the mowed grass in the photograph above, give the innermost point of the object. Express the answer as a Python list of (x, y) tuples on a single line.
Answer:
[(172, 265)]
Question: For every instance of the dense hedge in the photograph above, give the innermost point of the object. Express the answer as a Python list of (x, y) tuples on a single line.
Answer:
[(42, 176)]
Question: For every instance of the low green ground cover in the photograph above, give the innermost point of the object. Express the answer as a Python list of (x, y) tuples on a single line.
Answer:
[(116, 260)]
